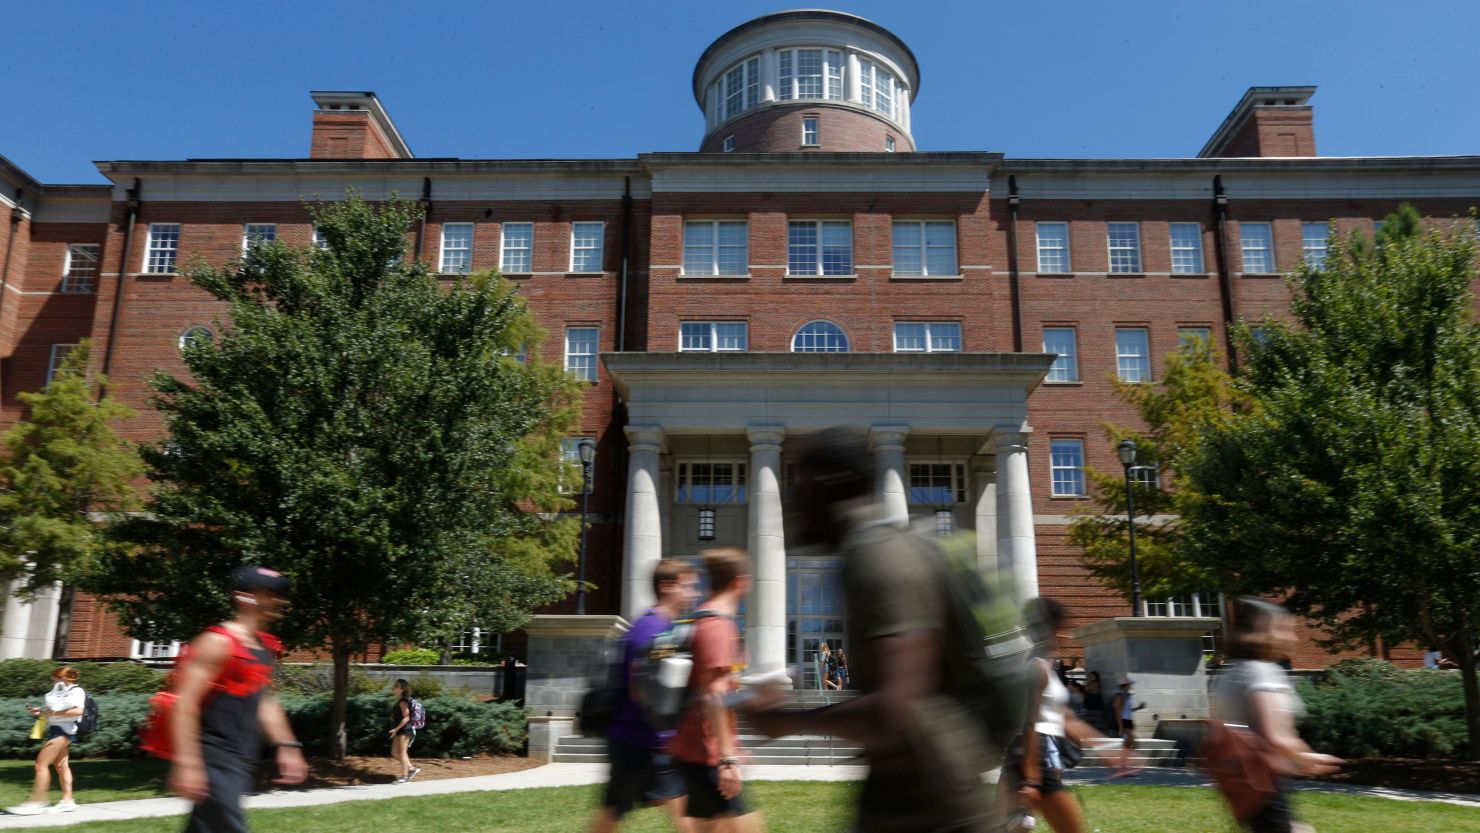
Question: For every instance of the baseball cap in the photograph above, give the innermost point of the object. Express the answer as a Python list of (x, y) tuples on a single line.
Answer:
[(1127, 681), (251, 577)]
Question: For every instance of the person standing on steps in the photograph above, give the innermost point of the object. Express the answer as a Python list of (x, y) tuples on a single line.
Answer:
[(1124, 706), (225, 708), (827, 669), (842, 669), (62, 709), (642, 771), (402, 732)]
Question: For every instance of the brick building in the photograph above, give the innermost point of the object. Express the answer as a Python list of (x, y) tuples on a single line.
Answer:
[(808, 266)]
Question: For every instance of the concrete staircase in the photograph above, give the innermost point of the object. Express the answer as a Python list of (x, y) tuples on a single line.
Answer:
[(1148, 752)]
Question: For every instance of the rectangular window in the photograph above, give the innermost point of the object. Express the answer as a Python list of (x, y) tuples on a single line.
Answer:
[(319, 242), (1063, 341), (153, 650), (571, 476), (924, 247), (1053, 248), (1132, 354), (716, 247), (740, 88), (834, 75), (729, 144), (937, 484), (888, 144), (580, 352), (258, 233), (515, 255), (80, 273), (712, 336), (1313, 243), (1188, 337), (1066, 467), (785, 81), (809, 73), (457, 248), (927, 337), (1187, 254), (1125, 246), (876, 87), (819, 247), (59, 353), (163, 246), (585, 246), (809, 130), (1258, 248), (710, 482)]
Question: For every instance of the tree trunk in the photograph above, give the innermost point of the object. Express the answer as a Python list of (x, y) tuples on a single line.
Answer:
[(341, 701), (1466, 651)]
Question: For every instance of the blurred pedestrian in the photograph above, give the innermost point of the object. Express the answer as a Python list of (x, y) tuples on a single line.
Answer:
[(1255, 692), (403, 733), (707, 744), (225, 708), (842, 669), (1094, 700), (61, 710), (1124, 707), (827, 669), (642, 771)]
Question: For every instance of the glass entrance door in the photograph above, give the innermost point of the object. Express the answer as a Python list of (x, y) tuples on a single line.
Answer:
[(814, 614)]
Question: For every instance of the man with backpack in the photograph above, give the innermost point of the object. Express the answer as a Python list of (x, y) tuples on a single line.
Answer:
[(224, 708), (926, 728), (642, 772)]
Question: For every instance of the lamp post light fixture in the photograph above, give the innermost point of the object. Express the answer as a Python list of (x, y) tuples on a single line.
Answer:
[(1127, 452), (587, 448)]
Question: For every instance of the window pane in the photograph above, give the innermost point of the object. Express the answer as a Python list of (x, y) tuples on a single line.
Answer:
[(81, 270), (730, 336), (834, 74), (164, 244), (1132, 355), (1125, 246), (733, 247), (1066, 464), (809, 73), (945, 337), (1187, 337), (517, 246), (1257, 247), (1313, 243), (909, 248), (1187, 255), (695, 335), (457, 248), (580, 352), (1053, 247), (837, 247), (585, 247), (1061, 340), (940, 248), (801, 254), (820, 337), (909, 338)]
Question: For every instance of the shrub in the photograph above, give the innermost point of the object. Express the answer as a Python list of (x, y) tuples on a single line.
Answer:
[(1369, 708), (413, 656), (455, 726), (32, 677), (318, 678), (117, 735)]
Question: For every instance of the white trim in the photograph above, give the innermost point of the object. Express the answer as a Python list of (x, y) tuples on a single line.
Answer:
[(503, 247), (57, 358), (600, 246), (442, 248)]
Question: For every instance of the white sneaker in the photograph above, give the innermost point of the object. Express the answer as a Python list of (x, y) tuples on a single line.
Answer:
[(67, 806), (28, 808), (400, 780), (415, 771)]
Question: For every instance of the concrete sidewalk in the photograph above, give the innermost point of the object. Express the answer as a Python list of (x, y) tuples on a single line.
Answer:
[(573, 775)]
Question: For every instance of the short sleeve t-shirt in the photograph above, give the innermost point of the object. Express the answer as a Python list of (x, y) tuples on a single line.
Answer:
[(1233, 689), (627, 724), (65, 697), (716, 647)]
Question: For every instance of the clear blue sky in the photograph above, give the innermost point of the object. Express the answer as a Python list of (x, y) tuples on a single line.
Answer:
[(578, 79)]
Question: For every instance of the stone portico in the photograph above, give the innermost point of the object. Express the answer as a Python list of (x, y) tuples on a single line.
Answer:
[(964, 415)]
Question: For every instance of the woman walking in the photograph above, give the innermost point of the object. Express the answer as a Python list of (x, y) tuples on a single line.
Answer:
[(402, 732), (1124, 707), (62, 709), (842, 669), (1256, 693), (827, 669)]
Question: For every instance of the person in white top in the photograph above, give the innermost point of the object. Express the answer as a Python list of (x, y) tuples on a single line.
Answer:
[(1038, 776), (62, 709)]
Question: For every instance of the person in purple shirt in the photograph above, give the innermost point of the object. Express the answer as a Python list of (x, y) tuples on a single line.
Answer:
[(642, 773)]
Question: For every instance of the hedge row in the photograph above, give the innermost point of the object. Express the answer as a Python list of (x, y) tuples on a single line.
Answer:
[(1368, 708), (32, 677), (456, 726)]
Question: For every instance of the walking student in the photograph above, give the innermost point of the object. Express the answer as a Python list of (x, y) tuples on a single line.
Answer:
[(225, 708), (707, 744), (827, 669), (62, 708), (642, 771), (1124, 706), (1256, 693), (842, 669), (402, 732)]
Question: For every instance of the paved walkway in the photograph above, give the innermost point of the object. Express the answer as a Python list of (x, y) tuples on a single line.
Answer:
[(572, 775)]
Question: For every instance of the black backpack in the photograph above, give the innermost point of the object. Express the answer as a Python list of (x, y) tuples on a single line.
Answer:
[(89, 720), (660, 675)]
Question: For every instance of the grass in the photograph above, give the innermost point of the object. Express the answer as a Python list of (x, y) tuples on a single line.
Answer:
[(95, 779), (816, 808)]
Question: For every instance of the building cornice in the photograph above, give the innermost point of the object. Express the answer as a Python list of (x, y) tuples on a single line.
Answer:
[(1314, 164), (370, 166)]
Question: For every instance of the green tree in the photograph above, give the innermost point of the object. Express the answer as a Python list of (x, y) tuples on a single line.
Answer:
[(1355, 485), (368, 432), (61, 462), (1194, 393)]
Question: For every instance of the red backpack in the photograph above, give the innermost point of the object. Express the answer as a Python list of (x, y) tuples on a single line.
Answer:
[(241, 676)]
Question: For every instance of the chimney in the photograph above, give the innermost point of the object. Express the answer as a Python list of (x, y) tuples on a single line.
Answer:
[(1268, 121), (350, 125)]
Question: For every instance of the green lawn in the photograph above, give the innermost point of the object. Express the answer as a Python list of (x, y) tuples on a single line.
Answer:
[(95, 780), (816, 808)]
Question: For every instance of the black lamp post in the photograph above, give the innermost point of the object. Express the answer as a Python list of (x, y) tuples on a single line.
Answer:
[(588, 457), (1128, 460)]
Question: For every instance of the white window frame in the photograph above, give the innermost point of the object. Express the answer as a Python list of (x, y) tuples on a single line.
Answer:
[(729, 145), (925, 247), (935, 331), (810, 131), (504, 249), (319, 241), (58, 357), (736, 478), (788, 74), (162, 251), (140, 649), (584, 366), (1063, 247), (1065, 367), (1266, 251), (194, 332), (80, 269), (746, 89), (456, 253), (846, 344), (888, 144), (258, 232), (1189, 248), (818, 247), (1123, 358), (1203, 604), (1313, 249), (712, 252), (918, 468), (1056, 464), (713, 333), (1123, 241), (1186, 334), (583, 248), (878, 88)]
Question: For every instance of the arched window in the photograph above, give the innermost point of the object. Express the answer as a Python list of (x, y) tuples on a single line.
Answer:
[(820, 337), (196, 335)]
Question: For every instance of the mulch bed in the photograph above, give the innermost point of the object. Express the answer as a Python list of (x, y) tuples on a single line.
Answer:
[(1410, 774), (358, 769)]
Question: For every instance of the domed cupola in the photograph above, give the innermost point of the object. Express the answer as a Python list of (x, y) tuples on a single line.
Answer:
[(807, 80)]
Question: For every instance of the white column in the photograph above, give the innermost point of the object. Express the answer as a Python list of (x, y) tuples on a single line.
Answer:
[(1015, 546), (29, 627), (770, 71), (888, 443), (986, 521), (767, 608), (851, 80), (643, 530)]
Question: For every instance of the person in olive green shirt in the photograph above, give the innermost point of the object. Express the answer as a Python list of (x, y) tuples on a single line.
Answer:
[(927, 756)]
